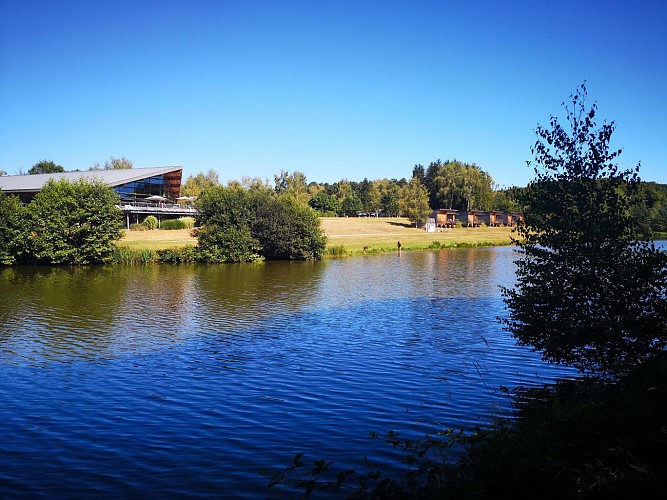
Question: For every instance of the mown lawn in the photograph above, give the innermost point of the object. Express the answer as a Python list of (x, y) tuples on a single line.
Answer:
[(157, 239), (353, 234), (383, 234)]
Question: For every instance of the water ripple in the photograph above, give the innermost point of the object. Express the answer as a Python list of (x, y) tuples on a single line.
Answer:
[(187, 380)]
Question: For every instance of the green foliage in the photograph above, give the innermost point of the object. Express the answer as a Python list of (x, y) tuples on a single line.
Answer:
[(507, 200), (72, 223), (127, 256), (579, 439), (336, 251), (150, 222), (390, 200), (650, 208), (414, 201), (458, 185), (239, 225), (138, 227), (325, 204), (181, 223), (589, 293), (293, 185), (45, 167), (228, 244), (178, 255), (351, 205), (114, 164), (196, 185), (12, 215), (118, 164), (287, 230)]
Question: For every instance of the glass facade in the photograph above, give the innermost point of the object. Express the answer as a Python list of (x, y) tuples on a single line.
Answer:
[(141, 189)]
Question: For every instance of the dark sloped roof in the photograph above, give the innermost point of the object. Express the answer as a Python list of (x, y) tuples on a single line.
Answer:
[(32, 183)]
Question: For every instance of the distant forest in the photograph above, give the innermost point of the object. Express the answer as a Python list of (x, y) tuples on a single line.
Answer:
[(448, 184)]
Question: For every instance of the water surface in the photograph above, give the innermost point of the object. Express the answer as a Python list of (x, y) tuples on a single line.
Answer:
[(188, 380)]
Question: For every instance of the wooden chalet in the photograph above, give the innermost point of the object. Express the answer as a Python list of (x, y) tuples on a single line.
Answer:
[(471, 218), (493, 218), (511, 219), (446, 217)]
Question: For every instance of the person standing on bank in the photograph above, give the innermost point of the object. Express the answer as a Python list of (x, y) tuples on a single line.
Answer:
[(399, 247)]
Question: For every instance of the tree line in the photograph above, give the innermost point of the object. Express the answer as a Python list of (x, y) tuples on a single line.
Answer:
[(449, 184), (442, 184)]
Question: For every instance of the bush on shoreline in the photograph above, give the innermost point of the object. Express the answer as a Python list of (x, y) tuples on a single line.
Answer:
[(71, 223)]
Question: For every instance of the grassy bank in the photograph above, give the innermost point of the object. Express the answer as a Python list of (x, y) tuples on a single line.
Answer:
[(157, 240), (349, 236)]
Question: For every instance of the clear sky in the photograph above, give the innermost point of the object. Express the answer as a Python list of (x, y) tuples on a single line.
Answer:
[(335, 89)]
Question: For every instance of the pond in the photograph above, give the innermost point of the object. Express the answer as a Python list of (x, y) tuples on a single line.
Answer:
[(190, 380)]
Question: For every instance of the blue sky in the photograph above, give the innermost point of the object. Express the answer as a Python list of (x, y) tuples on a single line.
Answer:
[(335, 89)]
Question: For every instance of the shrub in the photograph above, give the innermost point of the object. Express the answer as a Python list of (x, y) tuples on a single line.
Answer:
[(171, 224), (336, 251), (73, 223), (287, 230), (11, 229), (177, 255), (150, 222), (138, 227), (181, 223), (239, 225)]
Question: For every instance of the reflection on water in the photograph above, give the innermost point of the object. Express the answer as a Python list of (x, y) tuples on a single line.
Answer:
[(190, 379)]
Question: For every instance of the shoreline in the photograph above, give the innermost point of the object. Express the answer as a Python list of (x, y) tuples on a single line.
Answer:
[(345, 237)]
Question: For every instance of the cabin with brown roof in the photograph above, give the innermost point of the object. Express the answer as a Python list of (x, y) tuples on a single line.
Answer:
[(511, 219), (493, 218), (446, 217), (471, 218)]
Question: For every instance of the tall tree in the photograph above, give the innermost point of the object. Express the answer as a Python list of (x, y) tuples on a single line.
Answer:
[(294, 185), (114, 163), (458, 185), (589, 292), (419, 172), (45, 167), (414, 201), (196, 185)]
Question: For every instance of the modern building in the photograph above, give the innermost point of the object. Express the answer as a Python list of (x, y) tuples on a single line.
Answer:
[(132, 185), (142, 191)]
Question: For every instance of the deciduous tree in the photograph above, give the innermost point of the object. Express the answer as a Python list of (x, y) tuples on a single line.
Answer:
[(73, 223), (45, 167), (239, 225), (589, 292), (196, 185), (414, 201)]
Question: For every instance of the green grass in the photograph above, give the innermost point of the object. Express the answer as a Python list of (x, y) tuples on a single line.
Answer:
[(350, 236)]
